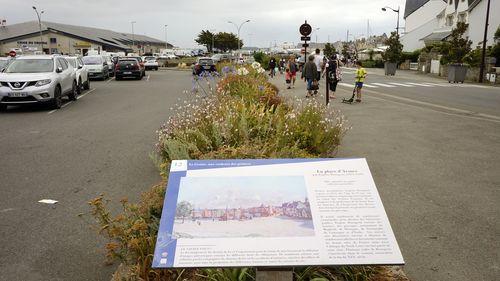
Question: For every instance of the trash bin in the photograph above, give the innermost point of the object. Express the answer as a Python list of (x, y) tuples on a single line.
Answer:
[(457, 73)]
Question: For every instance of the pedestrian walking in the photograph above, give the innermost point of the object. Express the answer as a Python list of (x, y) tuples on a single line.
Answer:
[(360, 79), (310, 74), (333, 74), (282, 65), (272, 66), (318, 61), (292, 66)]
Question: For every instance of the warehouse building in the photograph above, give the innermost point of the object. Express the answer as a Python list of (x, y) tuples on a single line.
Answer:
[(57, 38)]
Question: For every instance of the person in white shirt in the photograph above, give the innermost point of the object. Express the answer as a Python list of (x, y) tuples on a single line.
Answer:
[(318, 61)]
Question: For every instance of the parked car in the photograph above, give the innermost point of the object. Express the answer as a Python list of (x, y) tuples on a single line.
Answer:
[(141, 63), (111, 65), (37, 79), (97, 66), (128, 67), (150, 63), (203, 64), (82, 74), (221, 57), (3, 62)]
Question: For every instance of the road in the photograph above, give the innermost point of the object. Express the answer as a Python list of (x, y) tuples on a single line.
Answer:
[(433, 149), (98, 144)]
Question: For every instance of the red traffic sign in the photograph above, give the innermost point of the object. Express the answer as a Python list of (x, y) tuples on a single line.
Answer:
[(305, 29), (305, 38), (305, 45), (12, 53)]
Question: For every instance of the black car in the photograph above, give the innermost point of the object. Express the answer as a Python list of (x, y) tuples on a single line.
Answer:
[(128, 67), (203, 65)]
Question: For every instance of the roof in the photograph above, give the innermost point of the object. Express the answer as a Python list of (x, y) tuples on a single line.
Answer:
[(98, 35), (413, 5), (437, 36)]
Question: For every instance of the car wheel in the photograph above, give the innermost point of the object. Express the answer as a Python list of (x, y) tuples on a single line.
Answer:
[(86, 86), (139, 77), (3, 107), (57, 100), (73, 95), (79, 88)]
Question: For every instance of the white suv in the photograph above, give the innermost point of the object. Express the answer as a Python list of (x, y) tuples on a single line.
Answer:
[(82, 73), (37, 79)]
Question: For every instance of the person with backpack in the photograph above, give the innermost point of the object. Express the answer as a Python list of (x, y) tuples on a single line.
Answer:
[(333, 74), (309, 74)]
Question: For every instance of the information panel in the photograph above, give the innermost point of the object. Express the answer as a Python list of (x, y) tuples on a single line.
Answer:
[(273, 212)]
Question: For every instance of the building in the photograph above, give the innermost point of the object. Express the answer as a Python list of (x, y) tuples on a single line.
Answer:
[(429, 21), (57, 38)]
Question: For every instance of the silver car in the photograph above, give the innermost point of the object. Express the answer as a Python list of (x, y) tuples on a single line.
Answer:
[(81, 71), (37, 79), (98, 67)]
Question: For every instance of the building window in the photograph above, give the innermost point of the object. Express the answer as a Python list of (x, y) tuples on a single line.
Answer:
[(54, 51), (462, 17), (53, 40), (449, 20)]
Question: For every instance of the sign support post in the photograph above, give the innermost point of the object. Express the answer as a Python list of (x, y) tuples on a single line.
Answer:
[(305, 30)]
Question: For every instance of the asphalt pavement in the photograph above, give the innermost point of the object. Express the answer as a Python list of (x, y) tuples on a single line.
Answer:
[(99, 144), (433, 149)]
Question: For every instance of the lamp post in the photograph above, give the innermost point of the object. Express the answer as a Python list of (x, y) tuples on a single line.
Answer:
[(239, 28), (316, 34), (396, 11), (39, 15), (166, 42), (213, 40), (133, 35), (483, 54)]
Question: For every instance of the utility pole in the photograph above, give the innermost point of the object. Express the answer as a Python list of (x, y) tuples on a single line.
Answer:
[(133, 35), (166, 42), (483, 54), (39, 15)]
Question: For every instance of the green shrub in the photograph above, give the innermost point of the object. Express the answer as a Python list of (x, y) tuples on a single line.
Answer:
[(373, 64)]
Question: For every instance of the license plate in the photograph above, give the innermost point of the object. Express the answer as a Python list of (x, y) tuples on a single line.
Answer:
[(18, 95), (127, 72), (206, 67)]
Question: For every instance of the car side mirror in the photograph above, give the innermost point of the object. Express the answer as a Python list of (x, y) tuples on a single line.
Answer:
[(59, 69), (104, 64), (80, 66)]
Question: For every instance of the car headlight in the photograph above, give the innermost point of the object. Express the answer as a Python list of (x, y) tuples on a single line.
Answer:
[(43, 82)]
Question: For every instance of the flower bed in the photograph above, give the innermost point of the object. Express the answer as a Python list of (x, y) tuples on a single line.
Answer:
[(244, 117)]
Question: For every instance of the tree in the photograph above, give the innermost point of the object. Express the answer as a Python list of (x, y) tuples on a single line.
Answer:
[(225, 41), (205, 38), (457, 47), (184, 209), (393, 53), (345, 50), (329, 50), (495, 50)]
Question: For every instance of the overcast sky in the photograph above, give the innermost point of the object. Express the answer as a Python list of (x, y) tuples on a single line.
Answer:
[(270, 21)]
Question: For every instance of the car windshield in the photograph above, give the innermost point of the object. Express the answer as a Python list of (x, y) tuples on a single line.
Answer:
[(30, 66), (72, 62), (206, 61), (3, 63), (127, 61), (149, 58), (92, 60)]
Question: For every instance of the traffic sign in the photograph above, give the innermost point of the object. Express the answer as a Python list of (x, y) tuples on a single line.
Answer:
[(305, 38), (305, 45), (305, 29)]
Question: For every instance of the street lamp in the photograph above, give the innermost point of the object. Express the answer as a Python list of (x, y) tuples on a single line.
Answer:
[(213, 36), (316, 29), (238, 28), (39, 15), (133, 35), (396, 11), (166, 42)]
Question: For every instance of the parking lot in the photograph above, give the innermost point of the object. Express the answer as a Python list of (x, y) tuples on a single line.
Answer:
[(100, 143)]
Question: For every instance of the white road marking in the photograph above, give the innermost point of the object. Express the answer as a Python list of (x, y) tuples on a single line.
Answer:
[(369, 86), (419, 84), (52, 111), (383, 85), (66, 104), (7, 210), (110, 79), (88, 92), (147, 78), (401, 84), (346, 85), (437, 84)]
